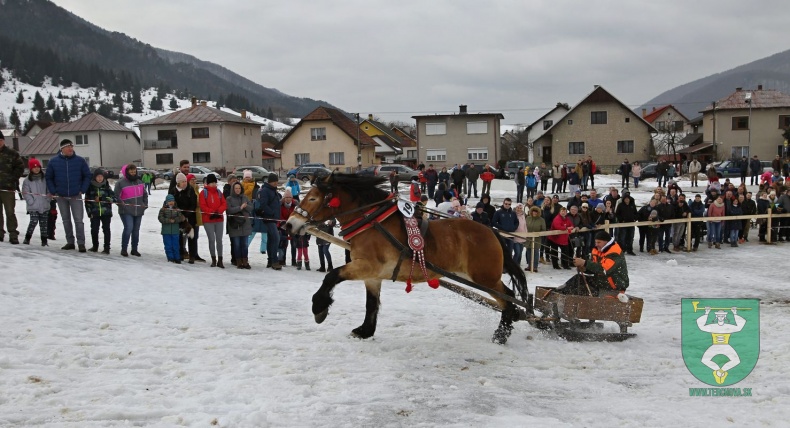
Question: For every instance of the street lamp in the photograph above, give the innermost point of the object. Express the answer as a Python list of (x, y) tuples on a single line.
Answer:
[(748, 98)]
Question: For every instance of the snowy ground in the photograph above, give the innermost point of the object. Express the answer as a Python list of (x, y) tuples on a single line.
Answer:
[(94, 341)]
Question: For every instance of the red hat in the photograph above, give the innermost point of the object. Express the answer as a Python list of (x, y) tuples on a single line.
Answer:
[(32, 163), (190, 177)]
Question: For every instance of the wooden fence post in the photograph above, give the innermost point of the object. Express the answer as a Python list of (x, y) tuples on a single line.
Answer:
[(768, 226), (688, 232)]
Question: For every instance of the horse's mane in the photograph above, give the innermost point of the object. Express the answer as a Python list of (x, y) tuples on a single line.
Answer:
[(359, 187)]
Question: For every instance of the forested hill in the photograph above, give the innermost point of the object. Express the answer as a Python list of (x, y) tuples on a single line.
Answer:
[(39, 38)]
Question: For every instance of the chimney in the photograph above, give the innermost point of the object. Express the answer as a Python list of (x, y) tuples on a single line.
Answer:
[(462, 109), (243, 114), (654, 109), (759, 87), (644, 112), (194, 102), (738, 89), (370, 116), (204, 103)]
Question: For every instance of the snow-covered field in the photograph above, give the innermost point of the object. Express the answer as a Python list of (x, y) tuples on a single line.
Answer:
[(95, 341)]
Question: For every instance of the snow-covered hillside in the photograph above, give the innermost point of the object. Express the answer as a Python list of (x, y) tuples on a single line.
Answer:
[(11, 88)]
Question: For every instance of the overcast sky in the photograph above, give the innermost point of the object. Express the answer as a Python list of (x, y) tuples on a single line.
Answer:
[(399, 58)]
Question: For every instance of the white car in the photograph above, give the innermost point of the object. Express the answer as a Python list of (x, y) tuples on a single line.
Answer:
[(200, 173)]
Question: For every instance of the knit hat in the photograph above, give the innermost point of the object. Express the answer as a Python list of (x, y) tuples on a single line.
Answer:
[(65, 143), (603, 235), (170, 198), (180, 177), (585, 205), (232, 177), (287, 193), (211, 178), (190, 177), (273, 178), (653, 214), (247, 174), (97, 172), (601, 205), (32, 163), (480, 205)]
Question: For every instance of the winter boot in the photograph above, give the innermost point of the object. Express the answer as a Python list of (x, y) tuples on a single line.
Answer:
[(247, 263), (94, 249), (27, 240), (82, 248), (44, 242), (734, 244), (191, 259), (68, 247), (136, 253), (555, 264), (329, 267), (14, 240), (213, 261), (307, 265), (233, 261), (106, 250), (321, 269), (240, 263), (219, 263), (293, 262), (124, 253), (718, 246), (299, 265)]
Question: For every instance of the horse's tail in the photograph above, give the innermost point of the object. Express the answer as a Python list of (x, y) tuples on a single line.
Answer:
[(517, 277)]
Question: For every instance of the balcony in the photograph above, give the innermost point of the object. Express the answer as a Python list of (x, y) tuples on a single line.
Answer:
[(160, 144)]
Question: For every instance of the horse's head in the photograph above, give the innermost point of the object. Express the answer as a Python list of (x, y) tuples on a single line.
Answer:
[(321, 203)]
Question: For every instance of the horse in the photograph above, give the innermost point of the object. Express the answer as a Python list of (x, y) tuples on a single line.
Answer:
[(466, 248)]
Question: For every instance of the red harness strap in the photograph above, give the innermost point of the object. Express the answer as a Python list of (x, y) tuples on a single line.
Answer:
[(381, 217)]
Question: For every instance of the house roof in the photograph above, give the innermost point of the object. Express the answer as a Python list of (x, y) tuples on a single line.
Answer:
[(498, 115), (198, 114), (406, 140), (41, 124), (650, 118), (564, 106), (270, 154), (339, 119), (695, 148), (393, 144), (392, 138), (93, 122), (46, 142), (690, 139), (599, 94), (761, 98)]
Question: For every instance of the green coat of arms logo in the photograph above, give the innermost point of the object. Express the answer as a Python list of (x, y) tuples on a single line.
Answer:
[(720, 338)]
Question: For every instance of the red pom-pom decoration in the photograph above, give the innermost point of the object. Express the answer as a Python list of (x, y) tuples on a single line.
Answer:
[(408, 286), (334, 202), (433, 283)]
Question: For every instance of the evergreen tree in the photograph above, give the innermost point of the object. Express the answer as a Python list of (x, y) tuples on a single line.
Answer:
[(2, 79), (75, 108), (60, 95), (14, 119), (38, 102), (128, 97), (156, 104), (269, 114), (173, 103), (3, 123), (57, 115), (65, 110), (91, 107), (105, 110), (51, 102), (137, 102), (161, 90), (29, 124), (221, 101), (20, 98), (96, 93)]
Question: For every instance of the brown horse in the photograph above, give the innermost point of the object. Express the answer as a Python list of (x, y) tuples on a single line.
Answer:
[(463, 247)]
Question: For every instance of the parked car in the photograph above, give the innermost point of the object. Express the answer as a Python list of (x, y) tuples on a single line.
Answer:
[(296, 169), (648, 170), (168, 175), (404, 172), (142, 170), (728, 168), (259, 173), (512, 168), (307, 173), (200, 172)]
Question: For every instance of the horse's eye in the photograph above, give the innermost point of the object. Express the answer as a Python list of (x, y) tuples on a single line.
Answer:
[(312, 199)]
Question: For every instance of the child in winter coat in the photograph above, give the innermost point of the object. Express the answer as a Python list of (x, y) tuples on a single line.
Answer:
[(34, 190), (327, 227), (287, 206), (98, 204), (414, 190), (302, 242), (171, 218), (293, 184)]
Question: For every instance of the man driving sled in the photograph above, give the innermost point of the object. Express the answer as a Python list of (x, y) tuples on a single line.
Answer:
[(604, 275)]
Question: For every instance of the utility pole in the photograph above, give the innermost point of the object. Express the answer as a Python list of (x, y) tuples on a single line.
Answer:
[(715, 148), (748, 98), (359, 146)]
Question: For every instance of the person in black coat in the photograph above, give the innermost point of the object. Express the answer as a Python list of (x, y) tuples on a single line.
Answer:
[(186, 201), (479, 215)]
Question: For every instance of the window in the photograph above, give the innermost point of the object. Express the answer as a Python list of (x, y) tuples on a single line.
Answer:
[(627, 120), (436, 155), (477, 154), (740, 123), (661, 126), (570, 121), (81, 140), (678, 125), (337, 158), (598, 118), (202, 157), (411, 154), (317, 134), (477, 127), (301, 158), (625, 146), (547, 124), (740, 151), (164, 159), (576, 148), (435, 128), (784, 121), (200, 132), (165, 134), (45, 162)]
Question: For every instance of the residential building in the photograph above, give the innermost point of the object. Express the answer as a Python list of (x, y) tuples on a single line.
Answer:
[(327, 136), (270, 158), (536, 129), (447, 139), (101, 141), (202, 135), (388, 146), (748, 122), (409, 145), (600, 126)]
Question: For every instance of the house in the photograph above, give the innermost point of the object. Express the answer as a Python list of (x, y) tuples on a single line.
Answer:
[(600, 126), (101, 141), (447, 139), (536, 129), (747, 123), (328, 136), (409, 145), (202, 135), (388, 146), (667, 119), (270, 158)]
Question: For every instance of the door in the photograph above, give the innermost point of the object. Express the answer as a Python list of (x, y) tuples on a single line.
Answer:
[(546, 155)]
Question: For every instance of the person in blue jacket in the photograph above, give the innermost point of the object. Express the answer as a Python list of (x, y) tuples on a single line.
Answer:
[(68, 178), (505, 220)]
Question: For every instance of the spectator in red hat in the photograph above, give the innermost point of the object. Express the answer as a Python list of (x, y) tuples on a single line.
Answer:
[(34, 189)]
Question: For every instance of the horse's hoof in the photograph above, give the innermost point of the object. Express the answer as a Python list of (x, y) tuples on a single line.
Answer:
[(361, 333), (321, 316), (499, 339)]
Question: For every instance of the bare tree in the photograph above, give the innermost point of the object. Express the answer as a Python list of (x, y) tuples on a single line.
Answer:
[(670, 131)]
